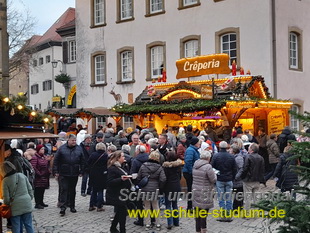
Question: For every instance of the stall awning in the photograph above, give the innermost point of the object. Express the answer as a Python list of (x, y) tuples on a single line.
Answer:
[(83, 112), (23, 133)]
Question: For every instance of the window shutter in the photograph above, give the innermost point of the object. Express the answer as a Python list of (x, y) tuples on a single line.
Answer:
[(65, 52)]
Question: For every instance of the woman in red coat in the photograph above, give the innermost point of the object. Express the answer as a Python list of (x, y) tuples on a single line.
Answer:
[(42, 174)]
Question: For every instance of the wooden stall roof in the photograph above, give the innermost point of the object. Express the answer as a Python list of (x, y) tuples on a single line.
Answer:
[(190, 96), (74, 112), (22, 133)]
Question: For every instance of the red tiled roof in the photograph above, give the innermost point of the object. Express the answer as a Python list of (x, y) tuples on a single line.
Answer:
[(51, 34), (68, 25)]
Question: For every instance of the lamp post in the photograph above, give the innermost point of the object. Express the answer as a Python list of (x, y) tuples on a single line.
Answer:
[(54, 64), (62, 71)]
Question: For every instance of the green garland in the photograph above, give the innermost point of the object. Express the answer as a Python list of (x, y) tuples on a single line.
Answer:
[(75, 114), (174, 106), (12, 106), (177, 106)]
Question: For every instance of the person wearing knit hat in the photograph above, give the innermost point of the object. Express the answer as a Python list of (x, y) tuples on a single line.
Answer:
[(190, 156), (13, 156), (41, 181), (19, 201), (226, 164), (194, 141)]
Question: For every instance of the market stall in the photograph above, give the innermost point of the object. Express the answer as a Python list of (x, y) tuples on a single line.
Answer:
[(241, 100)]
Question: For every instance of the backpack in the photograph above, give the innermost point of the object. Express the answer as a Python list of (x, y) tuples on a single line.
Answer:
[(27, 169)]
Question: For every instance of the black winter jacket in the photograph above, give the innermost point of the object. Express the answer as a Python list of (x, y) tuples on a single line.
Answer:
[(114, 186), (98, 171), (69, 161), (284, 137), (173, 176), (226, 164), (87, 153), (287, 177), (253, 169), (138, 161)]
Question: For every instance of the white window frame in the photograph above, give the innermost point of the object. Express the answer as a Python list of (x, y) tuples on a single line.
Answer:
[(47, 59), (157, 60), (128, 122), (229, 50), (47, 85), (126, 9), (101, 120), (99, 12), (156, 6), (99, 67), (72, 50), (41, 61), (34, 89), (191, 48), (189, 2), (126, 66), (294, 50), (294, 123)]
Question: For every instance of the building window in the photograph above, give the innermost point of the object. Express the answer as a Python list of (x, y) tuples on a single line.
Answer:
[(128, 122), (48, 59), (98, 12), (125, 9), (35, 89), (157, 61), (156, 57), (229, 46), (294, 120), (100, 122), (34, 62), (295, 48), (183, 4), (40, 61), (125, 65), (190, 46), (227, 41), (72, 51), (47, 85), (98, 68), (154, 7)]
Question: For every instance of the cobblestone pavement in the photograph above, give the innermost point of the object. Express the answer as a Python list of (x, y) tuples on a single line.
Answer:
[(84, 221)]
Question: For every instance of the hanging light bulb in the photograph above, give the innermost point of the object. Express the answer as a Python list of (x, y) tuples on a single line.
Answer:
[(20, 107), (6, 99), (46, 120), (33, 113)]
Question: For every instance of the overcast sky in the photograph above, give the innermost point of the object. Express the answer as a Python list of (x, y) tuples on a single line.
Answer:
[(46, 12)]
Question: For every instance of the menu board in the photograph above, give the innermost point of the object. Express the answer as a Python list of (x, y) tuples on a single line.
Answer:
[(276, 122)]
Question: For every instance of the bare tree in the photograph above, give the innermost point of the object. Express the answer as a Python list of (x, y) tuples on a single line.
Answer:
[(20, 30)]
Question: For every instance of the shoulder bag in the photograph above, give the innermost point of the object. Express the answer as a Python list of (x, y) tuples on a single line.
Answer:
[(5, 210)]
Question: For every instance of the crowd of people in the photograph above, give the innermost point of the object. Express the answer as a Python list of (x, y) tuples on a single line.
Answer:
[(115, 159)]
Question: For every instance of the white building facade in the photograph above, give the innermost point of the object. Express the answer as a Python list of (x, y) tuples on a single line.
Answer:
[(49, 49), (124, 45)]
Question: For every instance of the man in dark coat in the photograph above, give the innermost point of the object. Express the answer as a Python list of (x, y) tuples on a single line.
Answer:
[(287, 177), (226, 164), (98, 170), (86, 146), (69, 164), (253, 173), (284, 137), (163, 145)]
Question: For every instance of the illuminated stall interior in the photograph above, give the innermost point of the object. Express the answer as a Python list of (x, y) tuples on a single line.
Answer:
[(236, 100)]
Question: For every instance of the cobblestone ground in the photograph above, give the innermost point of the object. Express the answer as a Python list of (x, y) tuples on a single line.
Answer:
[(84, 221)]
